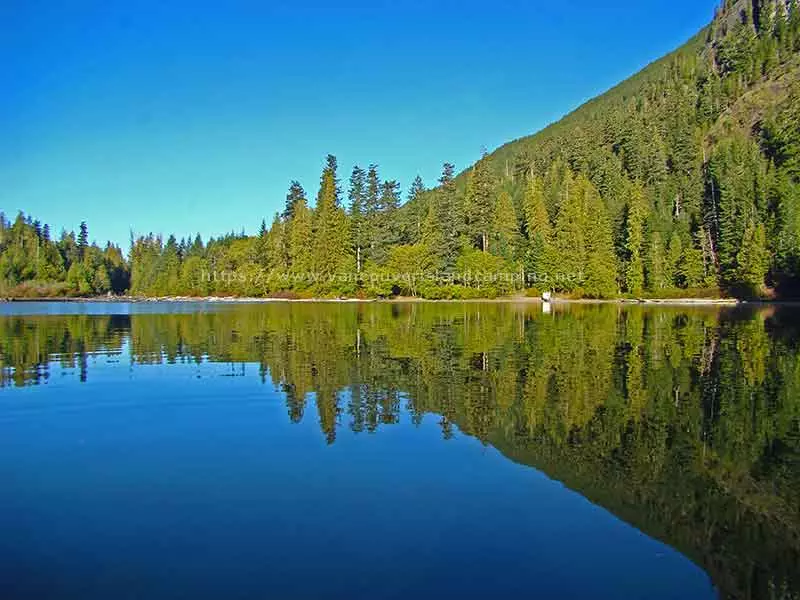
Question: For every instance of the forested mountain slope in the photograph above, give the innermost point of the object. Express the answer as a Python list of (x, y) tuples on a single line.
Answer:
[(682, 180), (695, 159)]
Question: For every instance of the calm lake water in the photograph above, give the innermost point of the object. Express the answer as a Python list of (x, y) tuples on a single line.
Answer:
[(393, 451)]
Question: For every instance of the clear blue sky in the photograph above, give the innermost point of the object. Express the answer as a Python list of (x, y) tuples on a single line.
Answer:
[(194, 116)]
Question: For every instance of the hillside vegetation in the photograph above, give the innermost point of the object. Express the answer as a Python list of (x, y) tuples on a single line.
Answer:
[(682, 180)]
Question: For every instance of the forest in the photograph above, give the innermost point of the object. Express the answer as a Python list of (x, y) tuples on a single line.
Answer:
[(683, 180)]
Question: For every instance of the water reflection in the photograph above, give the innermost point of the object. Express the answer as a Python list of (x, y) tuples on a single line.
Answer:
[(683, 422)]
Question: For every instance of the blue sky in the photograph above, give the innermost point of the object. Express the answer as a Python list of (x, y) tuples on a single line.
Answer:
[(194, 116)]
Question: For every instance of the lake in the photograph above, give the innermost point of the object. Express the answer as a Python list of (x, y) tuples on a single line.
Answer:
[(465, 450)]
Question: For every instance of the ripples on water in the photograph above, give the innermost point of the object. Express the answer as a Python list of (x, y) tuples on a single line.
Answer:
[(388, 450)]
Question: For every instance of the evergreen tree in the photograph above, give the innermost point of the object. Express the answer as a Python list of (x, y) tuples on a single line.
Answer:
[(479, 204), (300, 241), (386, 228), (357, 196), (752, 258), (262, 246), (83, 240), (295, 195), (634, 238), (674, 254), (601, 268), (537, 225), (372, 210), (440, 231), (505, 228), (657, 264), (414, 211), (691, 272), (277, 256), (331, 243), (416, 190)]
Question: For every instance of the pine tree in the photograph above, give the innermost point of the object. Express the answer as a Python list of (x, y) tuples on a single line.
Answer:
[(674, 254), (83, 240), (601, 268), (372, 210), (357, 196), (262, 246), (583, 241), (332, 246), (295, 195), (753, 258), (277, 258), (537, 225), (505, 228), (634, 238), (656, 264), (479, 204), (299, 233), (691, 272), (387, 233), (416, 190), (440, 230)]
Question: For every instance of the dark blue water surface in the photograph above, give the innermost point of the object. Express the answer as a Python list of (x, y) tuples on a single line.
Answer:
[(393, 451)]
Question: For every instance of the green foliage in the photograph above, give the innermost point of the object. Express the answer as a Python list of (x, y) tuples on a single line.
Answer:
[(686, 175), (31, 263), (479, 204), (634, 239)]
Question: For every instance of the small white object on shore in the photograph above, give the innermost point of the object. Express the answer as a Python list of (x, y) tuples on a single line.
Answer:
[(547, 296)]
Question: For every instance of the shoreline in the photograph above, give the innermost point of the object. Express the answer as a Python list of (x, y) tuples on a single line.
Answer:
[(402, 300)]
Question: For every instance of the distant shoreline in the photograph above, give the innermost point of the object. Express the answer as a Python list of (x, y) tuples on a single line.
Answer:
[(404, 299)]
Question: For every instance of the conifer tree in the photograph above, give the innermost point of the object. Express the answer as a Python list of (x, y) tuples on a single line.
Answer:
[(601, 268), (674, 254), (299, 233), (691, 272), (83, 240), (262, 246), (277, 251), (505, 227), (479, 204), (415, 210), (656, 264), (331, 243), (440, 230), (752, 258), (537, 224), (387, 233), (634, 238), (357, 196), (296, 193), (372, 210)]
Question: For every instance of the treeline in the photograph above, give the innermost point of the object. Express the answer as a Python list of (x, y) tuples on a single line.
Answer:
[(32, 264), (682, 180)]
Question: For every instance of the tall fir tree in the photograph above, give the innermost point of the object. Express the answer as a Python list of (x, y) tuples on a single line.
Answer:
[(505, 228), (634, 238), (331, 243), (479, 204), (539, 230), (357, 197), (296, 193), (83, 240), (299, 243)]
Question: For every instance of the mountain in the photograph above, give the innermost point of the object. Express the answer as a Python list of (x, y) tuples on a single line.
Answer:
[(704, 141)]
